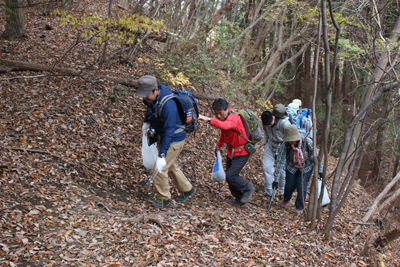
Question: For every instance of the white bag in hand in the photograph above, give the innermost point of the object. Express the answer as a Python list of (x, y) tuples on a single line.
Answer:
[(218, 173), (325, 197), (149, 153)]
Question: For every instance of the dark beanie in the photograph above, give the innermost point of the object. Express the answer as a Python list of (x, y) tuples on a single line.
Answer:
[(266, 117)]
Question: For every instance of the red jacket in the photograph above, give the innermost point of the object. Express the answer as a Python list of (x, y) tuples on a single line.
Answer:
[(232, 139)]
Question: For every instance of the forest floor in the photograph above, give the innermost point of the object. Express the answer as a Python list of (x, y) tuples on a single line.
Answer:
[(75, 192)]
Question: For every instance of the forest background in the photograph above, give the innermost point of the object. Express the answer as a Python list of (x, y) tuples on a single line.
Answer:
[(74, 188)]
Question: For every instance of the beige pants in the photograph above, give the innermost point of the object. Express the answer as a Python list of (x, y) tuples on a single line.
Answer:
[(161, 182)]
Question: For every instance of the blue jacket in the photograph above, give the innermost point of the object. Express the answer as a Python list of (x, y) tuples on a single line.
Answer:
[(170, 118)]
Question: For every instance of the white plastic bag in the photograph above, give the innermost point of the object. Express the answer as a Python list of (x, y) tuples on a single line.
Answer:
[(218, 173), (325, 197), (149, 153)]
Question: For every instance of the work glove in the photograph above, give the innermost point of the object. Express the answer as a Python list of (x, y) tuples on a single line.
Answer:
[(160, 164), (320, 176), (274, 185), (145, 127)]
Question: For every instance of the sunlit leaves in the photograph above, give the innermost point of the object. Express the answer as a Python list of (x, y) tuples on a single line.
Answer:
[(127, 28)]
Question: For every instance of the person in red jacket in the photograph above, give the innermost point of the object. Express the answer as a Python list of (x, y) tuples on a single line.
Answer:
[(230, 123)]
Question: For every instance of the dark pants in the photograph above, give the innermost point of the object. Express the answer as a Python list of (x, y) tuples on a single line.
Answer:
[(237, 185), (293, 182)]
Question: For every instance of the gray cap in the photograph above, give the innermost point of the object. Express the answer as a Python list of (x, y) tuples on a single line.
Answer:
[(279, 111), (146, 84)]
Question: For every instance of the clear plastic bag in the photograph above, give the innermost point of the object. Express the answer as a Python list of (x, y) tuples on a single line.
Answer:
[(218, 173), (149, 153), (325, 197)]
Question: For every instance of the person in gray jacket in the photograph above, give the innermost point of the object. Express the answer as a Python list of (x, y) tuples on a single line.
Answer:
[(274, 123)]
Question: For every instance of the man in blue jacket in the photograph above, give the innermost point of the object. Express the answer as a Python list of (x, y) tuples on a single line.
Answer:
[(171, 140)]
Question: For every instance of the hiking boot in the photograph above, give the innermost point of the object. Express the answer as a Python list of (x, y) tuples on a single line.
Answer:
[(161, 203), (247, 195), (283, 204), (185, 195), (299, 211), (234, 202)]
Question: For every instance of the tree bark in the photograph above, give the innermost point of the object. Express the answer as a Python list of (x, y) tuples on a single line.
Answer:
[(15, 26), (298, 78), (307, 78), (377, 158), (362, 174), (217, 16), (13, 65)]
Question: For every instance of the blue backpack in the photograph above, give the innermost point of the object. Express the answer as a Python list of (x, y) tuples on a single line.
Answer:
[(304, 112), (305, 122), (293, 117), (187, 109)]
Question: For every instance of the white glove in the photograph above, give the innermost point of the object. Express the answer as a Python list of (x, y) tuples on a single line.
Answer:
[(160, 164), (145, 127)]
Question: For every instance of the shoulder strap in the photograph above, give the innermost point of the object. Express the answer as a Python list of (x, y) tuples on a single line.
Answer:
[(161, 105), (240, 135)]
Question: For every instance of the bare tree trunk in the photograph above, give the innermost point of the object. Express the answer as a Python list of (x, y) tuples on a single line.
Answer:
[(377, 75), (298, 78), (307, 78), (396, 166), (362, 175), (377, 158), (246, 15), (104, 54), (217, 16), (336, 87), (15, 26), (314, 202)]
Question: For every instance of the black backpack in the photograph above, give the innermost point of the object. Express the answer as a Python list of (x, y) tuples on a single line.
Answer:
[(187, 109)]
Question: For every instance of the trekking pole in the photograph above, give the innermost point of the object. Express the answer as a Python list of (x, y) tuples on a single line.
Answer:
[(151, 179), (153, 176), (272, 198)]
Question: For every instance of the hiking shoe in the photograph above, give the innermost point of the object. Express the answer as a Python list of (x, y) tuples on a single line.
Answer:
[(247, 195), (299, 211), (185, 195), (234, 202), (283, 204), (161, 203)]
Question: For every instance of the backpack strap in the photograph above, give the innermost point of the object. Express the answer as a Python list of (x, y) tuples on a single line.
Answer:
[(233, 148), (159, 107)]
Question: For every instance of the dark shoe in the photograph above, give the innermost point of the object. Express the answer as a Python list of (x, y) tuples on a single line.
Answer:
[(299, 211), (161, 203), (283, 204), (185, 195), (247, 195), (234, 202)]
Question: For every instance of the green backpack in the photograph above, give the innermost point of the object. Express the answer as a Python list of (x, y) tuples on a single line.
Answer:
[(251, 124)]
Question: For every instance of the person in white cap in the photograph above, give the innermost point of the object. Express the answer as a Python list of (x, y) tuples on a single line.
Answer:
[(298, 102), (170, 144)]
